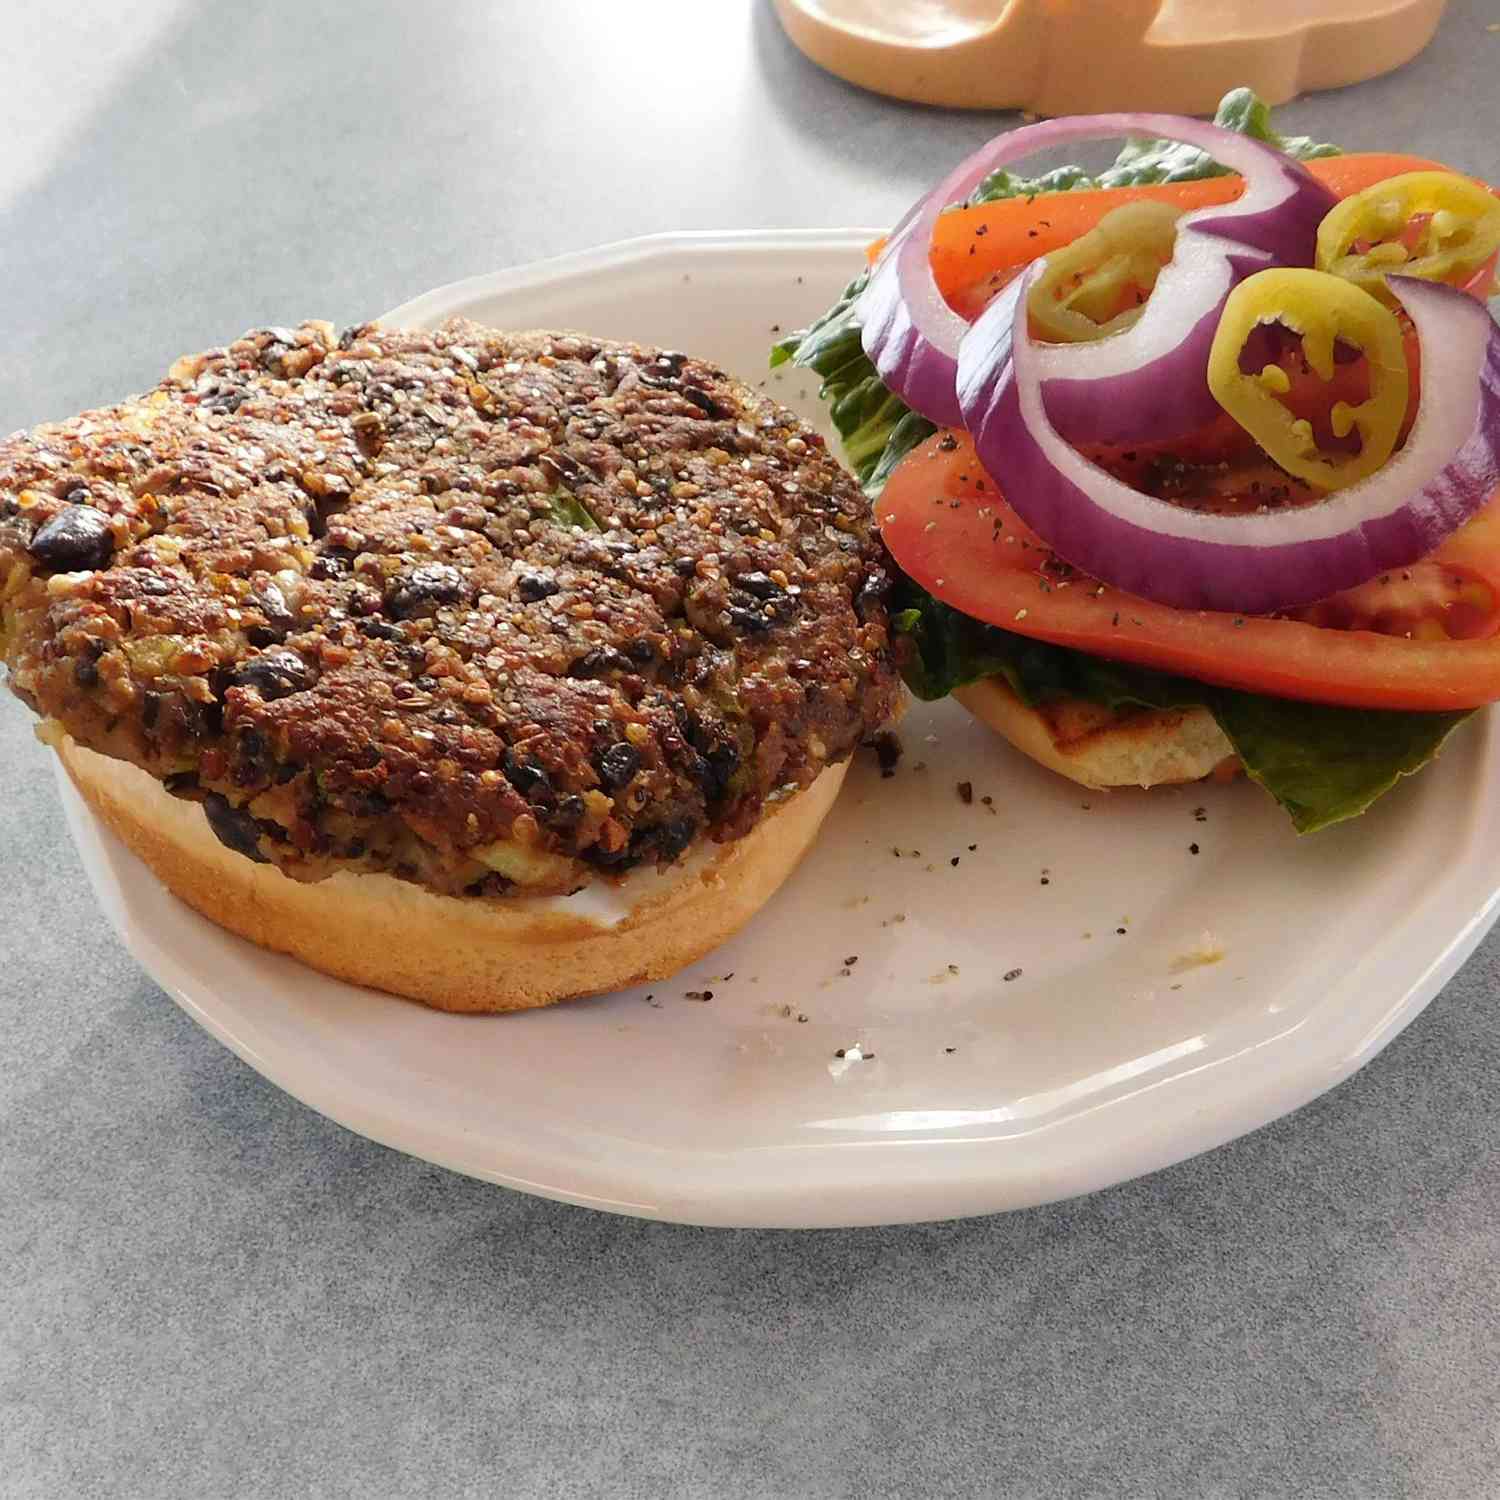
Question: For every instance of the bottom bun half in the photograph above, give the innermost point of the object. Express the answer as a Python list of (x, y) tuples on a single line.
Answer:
[(1101, 747), (453, 953)]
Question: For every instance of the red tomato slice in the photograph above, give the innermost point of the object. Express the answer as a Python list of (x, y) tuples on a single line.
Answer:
[(1426, 637)]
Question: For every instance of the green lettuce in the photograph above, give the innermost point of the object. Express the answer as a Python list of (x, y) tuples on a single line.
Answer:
[(565, 509), (1142, 163), (877, 429), (1320, 762)]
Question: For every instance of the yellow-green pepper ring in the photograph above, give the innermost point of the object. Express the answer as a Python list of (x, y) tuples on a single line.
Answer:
[(1322, 310), (1463, 233), (1072, 301)]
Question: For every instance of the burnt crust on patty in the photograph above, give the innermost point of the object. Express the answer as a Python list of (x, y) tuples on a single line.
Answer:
[(481, 610)]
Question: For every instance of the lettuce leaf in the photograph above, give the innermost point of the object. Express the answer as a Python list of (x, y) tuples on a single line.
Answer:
[(1322, 763), (1144, 162), (877, 429)]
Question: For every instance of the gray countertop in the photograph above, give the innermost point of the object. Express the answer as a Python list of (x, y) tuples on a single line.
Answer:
[(209, 1290)]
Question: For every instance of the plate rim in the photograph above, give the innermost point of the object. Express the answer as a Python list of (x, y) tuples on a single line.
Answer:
[(440, 302), (965, 1183), (959, 1178)]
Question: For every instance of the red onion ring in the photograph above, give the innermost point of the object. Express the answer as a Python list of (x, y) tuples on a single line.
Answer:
[(1151, 381), (1448, 469), (912, 336)]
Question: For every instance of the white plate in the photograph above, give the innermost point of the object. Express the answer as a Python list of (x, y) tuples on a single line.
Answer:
[(1107, 1055)]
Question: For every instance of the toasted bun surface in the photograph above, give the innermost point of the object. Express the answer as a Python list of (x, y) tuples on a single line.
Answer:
[(455, 953), (1100, 747)]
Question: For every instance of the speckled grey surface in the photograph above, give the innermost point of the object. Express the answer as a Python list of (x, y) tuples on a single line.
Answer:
[(208, 1290)]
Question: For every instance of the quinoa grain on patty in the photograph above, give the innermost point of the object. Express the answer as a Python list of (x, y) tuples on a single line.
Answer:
[(480, 610)]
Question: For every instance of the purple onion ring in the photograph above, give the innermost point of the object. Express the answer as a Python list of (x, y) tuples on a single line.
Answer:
[(912, 336), (1448, 469)]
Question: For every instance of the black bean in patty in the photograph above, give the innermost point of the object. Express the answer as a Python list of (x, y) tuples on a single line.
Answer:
[(233, 827), (532, 588), (618, 765), (74, 540), (274, 674), (423, 590)]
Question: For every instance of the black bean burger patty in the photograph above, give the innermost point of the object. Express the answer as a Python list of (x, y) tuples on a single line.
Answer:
[(482, 610)]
